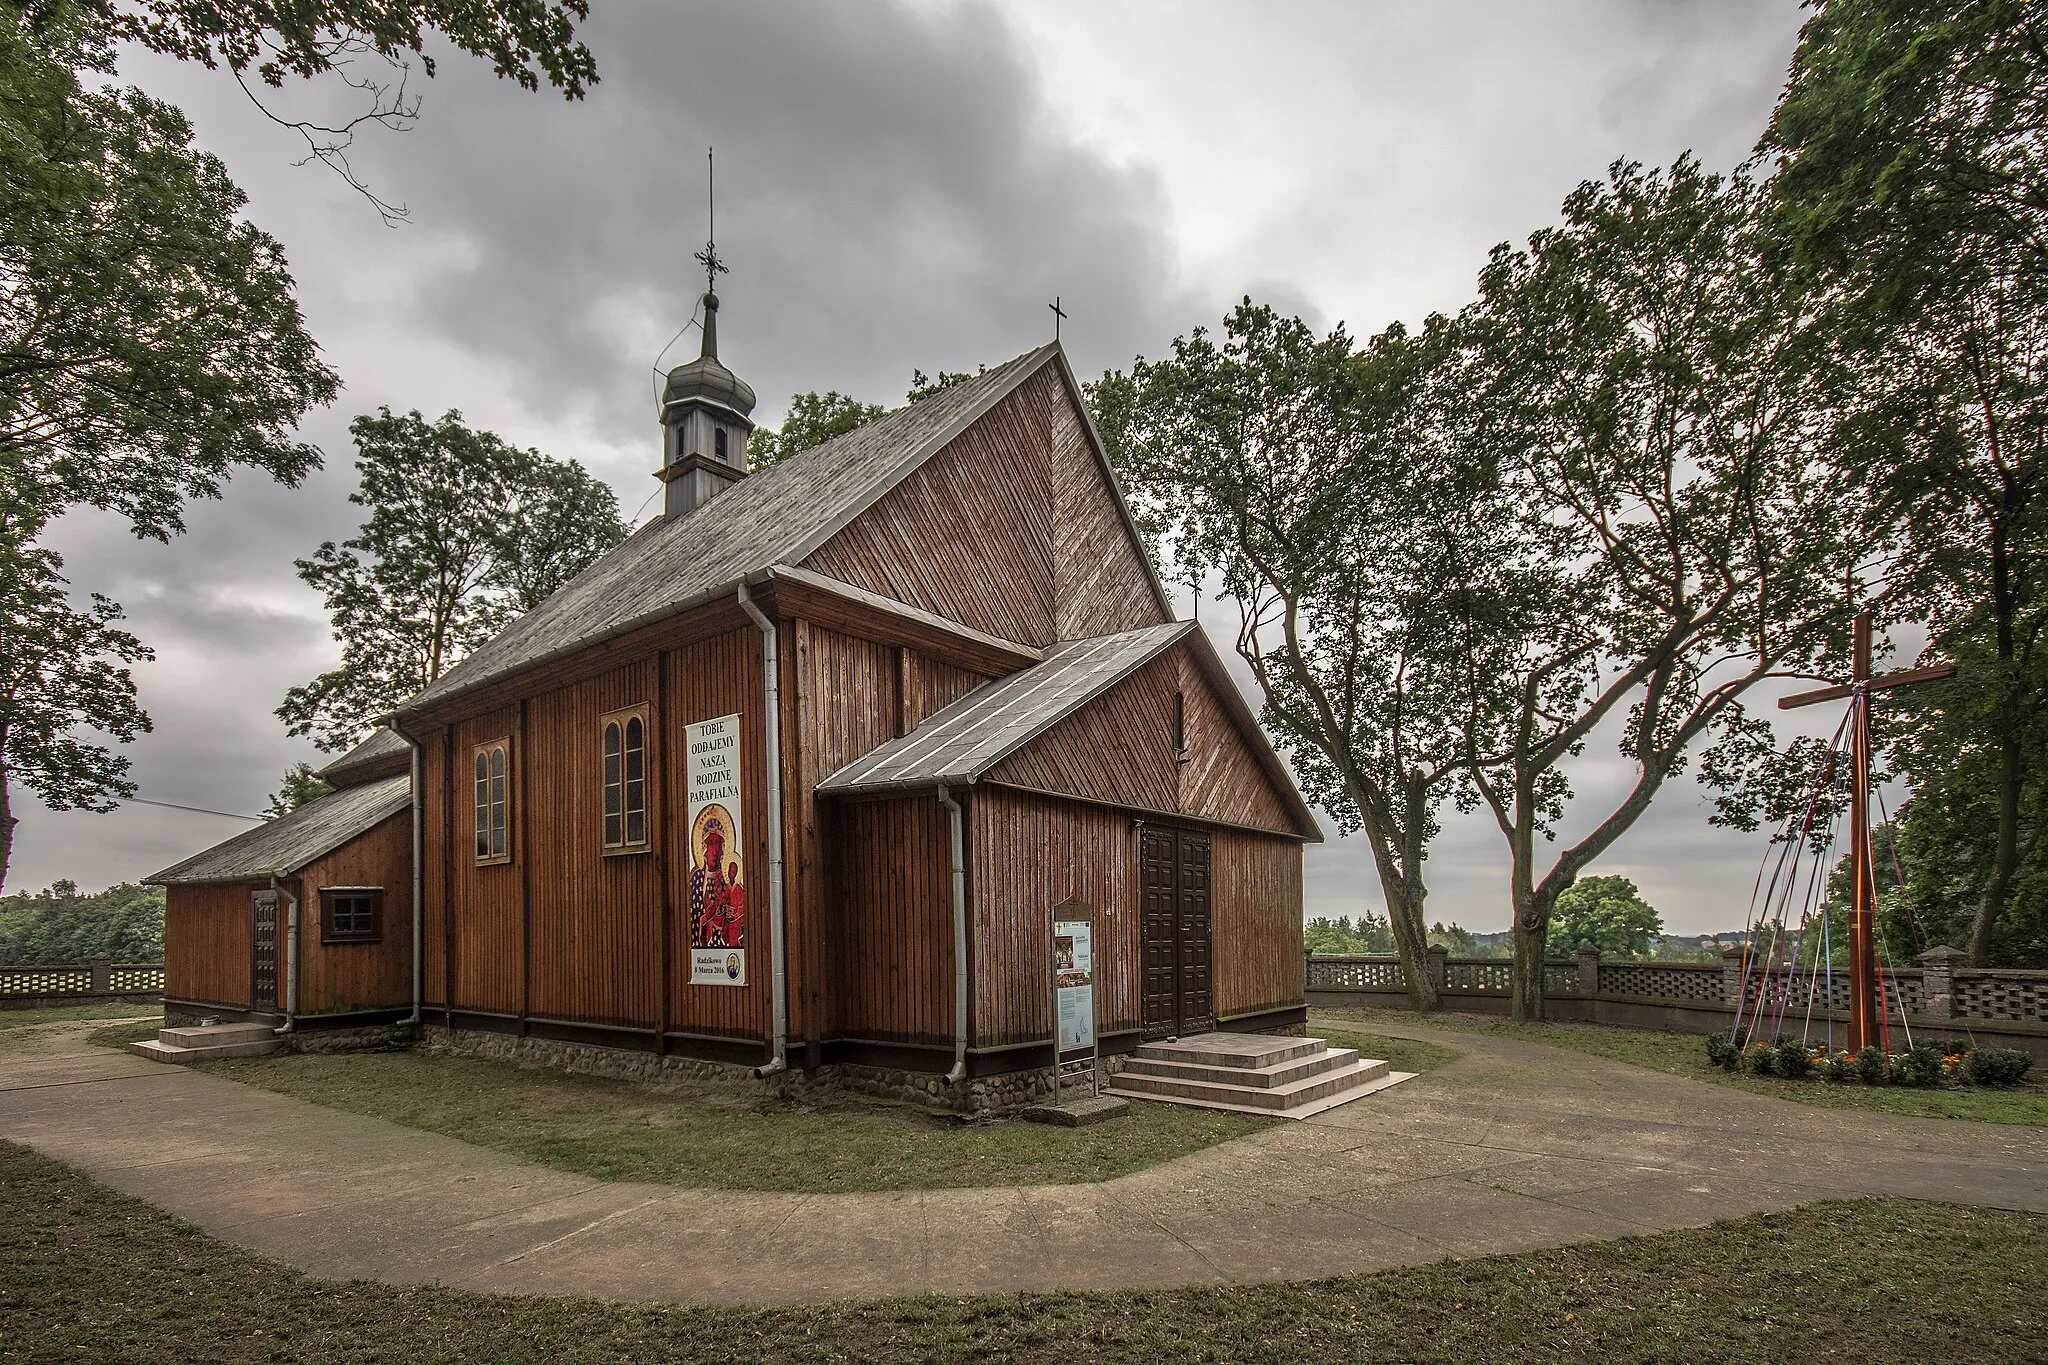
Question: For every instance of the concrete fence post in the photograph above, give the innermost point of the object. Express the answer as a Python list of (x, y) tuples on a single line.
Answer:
[(1938, 980), (1438, 956), (1589, 969), (102, 974), (1733, 962)]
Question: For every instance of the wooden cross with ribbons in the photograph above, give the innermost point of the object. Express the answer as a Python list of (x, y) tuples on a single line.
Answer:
[(1866, 1020)]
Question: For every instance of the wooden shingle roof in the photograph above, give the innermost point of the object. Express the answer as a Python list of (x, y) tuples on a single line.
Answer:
[(282, 846), (777, 516), (385, 752)]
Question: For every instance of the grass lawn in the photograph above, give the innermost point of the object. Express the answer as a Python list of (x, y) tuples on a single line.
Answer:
[(1685, 1054), (731, 1137), (64, 1014), (95, 1275)]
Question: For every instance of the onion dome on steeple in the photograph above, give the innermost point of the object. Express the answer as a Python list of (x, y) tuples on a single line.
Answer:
[(706, 379)]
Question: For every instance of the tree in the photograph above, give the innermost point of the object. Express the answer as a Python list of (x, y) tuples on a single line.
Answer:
[(272, 40), (1609, 913), (149, 340), (61, 671), (1655, 392), (1313, 480), (58, 926), (1326, 937), (814, 418), (302, 786), (1914, 145), (465, 530)]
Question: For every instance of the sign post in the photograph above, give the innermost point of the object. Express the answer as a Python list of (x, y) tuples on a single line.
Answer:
[(1073, 998)]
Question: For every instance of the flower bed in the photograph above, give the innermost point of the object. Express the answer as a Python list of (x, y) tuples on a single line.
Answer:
[(1926, 1064)]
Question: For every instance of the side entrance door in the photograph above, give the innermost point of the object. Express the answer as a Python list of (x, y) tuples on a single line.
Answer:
[(1174, 931), (262, 949)]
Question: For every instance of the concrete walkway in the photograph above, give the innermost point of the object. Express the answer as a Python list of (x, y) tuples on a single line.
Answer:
[(1514, 1147)]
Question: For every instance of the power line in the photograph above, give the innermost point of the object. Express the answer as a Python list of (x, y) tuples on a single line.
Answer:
[(198, 810)]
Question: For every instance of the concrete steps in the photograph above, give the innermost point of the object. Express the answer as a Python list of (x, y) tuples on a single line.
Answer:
[(1252, 1073), (209, 1043)]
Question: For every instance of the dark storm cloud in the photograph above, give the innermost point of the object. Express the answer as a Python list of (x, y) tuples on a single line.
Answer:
[(891, 193)]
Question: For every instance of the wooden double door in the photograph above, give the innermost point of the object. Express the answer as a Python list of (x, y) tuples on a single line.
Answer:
[(262, 949), (1175, 941)]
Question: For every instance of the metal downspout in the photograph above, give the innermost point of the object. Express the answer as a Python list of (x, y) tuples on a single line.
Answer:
[(771, 688), (958, 843), (291, 960)]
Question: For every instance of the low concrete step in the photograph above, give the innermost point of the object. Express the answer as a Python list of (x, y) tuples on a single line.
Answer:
[(1360, 1072), (1250, 1051), (212, 1035), (209, 1043), (1263, 1077)]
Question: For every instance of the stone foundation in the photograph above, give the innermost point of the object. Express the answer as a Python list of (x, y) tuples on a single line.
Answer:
[(978, 1096), (370, 1038)]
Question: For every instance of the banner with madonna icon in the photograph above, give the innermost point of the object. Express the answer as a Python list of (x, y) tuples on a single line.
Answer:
[(718, 881)]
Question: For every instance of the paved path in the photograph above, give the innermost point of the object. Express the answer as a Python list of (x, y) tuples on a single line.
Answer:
[(1515, 1146)]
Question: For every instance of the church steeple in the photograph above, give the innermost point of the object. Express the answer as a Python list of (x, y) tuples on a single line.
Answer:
[(704, 412)]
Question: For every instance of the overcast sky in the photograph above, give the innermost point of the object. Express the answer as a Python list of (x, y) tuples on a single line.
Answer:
[(900, 186)]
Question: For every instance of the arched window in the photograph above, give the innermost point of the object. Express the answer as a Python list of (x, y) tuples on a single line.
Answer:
[(625, 780), (493, 802)]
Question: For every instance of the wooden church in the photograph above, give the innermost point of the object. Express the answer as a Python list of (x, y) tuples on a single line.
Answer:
[(799, 776)]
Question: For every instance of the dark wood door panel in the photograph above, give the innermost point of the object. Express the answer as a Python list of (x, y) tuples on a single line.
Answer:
[(263, 948), (1158, 930), (1197, 1007)]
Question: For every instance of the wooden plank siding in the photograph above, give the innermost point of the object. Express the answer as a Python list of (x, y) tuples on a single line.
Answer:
[(1255, 907), (1012, 529), (206, 943), (890, 925), (341, 977), (1118, 749), (1029, 854)]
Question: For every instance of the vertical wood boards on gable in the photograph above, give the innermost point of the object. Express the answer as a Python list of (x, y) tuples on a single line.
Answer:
[(206, 944), (1118, 748), (969, 535), (930, 686), (1030, 854), (892, 937), (1101, 584), (1221, 780), (1255, 907), (336, 977)]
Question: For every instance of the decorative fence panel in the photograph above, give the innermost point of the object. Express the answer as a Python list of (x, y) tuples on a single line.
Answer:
[(1662, 980), (81, 979), (1938, 991), (2001, 995)]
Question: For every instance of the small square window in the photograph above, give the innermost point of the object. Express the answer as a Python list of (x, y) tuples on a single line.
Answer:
[(351, 914)]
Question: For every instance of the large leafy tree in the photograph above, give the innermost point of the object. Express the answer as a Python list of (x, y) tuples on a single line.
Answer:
[(1655, 389), (62, 671), (1913, 140), (813, 419), (59, 926), (464, 530), (1609, 913), (1311, 480)]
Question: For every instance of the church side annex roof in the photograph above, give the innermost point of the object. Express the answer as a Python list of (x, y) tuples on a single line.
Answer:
[(966, 739), (376, 756), (286, 844), (779, 515)]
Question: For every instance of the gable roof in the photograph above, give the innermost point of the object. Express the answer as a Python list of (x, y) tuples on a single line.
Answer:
[(382, 754), (284, 845), (779, 515), (958, 745)]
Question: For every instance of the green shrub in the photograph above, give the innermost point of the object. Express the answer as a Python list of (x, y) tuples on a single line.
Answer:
[(1919, 1065), (1792, 1058), (1872, 1066), (1997, 1065), (1761, 1059), (1838, 1067)]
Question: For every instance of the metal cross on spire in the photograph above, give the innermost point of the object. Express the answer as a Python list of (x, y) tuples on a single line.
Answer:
[(708, 257), (1058, 316)]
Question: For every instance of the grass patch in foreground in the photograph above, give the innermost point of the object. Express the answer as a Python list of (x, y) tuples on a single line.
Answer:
[(1685, 1054), (120, 1035), (1402, 1054), (727, 1137), (96, 1275)]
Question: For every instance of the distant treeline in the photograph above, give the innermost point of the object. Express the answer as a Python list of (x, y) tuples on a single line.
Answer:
[(58, 925)]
